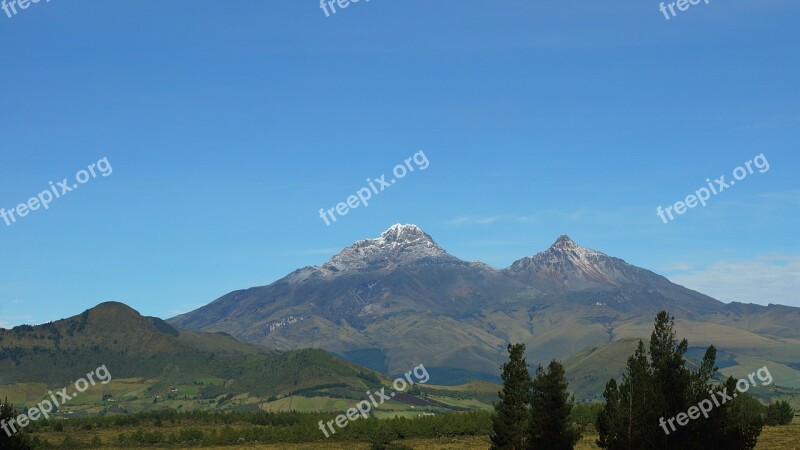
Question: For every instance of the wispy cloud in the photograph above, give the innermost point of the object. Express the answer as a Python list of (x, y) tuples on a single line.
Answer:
[(618, 215), (473, 220), (761, 205), (764, 201), (775, 122), (182, 309), (680, 266), (12, 321), (267, 254), (11, 284), (490, 243), (314, 251), (768, 279), (515, 218)]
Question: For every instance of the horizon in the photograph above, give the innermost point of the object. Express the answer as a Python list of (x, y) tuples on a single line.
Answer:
[(559, 238)]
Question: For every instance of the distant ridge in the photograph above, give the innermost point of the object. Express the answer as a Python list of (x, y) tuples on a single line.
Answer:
[(148, 348)]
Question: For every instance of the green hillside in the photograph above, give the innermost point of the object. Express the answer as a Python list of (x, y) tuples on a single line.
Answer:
[(150, 361), (156, 366)]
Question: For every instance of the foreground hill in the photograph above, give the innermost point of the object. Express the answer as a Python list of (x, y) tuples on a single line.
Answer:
[(399, 300), (152, 362)]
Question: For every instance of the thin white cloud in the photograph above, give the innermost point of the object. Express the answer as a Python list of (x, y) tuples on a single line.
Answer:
[(775, 122), (314, 251), (768, 279), (754, 204), (473, 220), (10, 284), (264, 254), (758, 204), (619, 215), (543, 215), (489, 243), (680, 266), (182, 309), (13, 321)]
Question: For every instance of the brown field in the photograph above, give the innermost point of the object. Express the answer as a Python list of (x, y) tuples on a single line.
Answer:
[(772, 438)]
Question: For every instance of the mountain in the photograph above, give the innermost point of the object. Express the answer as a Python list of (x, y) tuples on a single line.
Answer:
[(399, 246), (150, 360), (566, 266), (399, 300), (567, 270)]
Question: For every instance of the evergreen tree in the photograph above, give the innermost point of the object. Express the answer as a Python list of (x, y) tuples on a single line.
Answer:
[(637, 402), (551, 406), (626, 422), (704, 432), (16, 441), (510, 420), (610, 421), (671, 378), (738, 423), (637, 413)]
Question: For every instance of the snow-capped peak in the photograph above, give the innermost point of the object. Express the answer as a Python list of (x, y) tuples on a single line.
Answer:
[(398, 245), (399, 234), (566, 250), (564, 242), (566, 247), (567, 263)]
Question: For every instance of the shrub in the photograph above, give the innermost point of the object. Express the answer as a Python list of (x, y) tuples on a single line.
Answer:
[(778, 413)]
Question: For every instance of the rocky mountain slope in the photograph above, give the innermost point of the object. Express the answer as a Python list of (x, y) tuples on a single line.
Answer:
[(399, 300)]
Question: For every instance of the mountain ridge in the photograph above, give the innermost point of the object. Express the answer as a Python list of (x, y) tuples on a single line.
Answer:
[(401, 297), (152, 362)]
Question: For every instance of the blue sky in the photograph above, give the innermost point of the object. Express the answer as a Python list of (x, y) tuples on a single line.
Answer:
[(228, 126)]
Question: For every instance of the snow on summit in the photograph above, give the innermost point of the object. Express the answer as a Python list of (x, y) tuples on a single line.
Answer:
[(398, 245)]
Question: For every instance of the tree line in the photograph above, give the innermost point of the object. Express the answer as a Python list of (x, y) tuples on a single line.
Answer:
[(639, 412)]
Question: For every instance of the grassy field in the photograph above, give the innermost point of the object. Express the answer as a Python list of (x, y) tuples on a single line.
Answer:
[(772, 438)]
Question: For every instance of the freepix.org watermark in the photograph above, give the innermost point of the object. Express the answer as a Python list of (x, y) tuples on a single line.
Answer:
[(325, 4), (45, 407), (10, 6), (375, 187), (719, 398), (56, 191), (364, 407), (682, 5), (703, 194)]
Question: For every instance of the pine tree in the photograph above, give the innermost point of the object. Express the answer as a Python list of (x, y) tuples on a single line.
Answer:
[(609, 423), (16, 441), (671, 379), (738, 422), (637, 399), (510, 421), (551, 405), (636, 413), (705, 432), (627, 419)]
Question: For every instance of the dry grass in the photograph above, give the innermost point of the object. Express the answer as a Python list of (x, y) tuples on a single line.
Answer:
[(772, 438)]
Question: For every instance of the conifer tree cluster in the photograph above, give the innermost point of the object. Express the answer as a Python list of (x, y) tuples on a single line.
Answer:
[(533, 413), (15, 441), (657, 385)]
